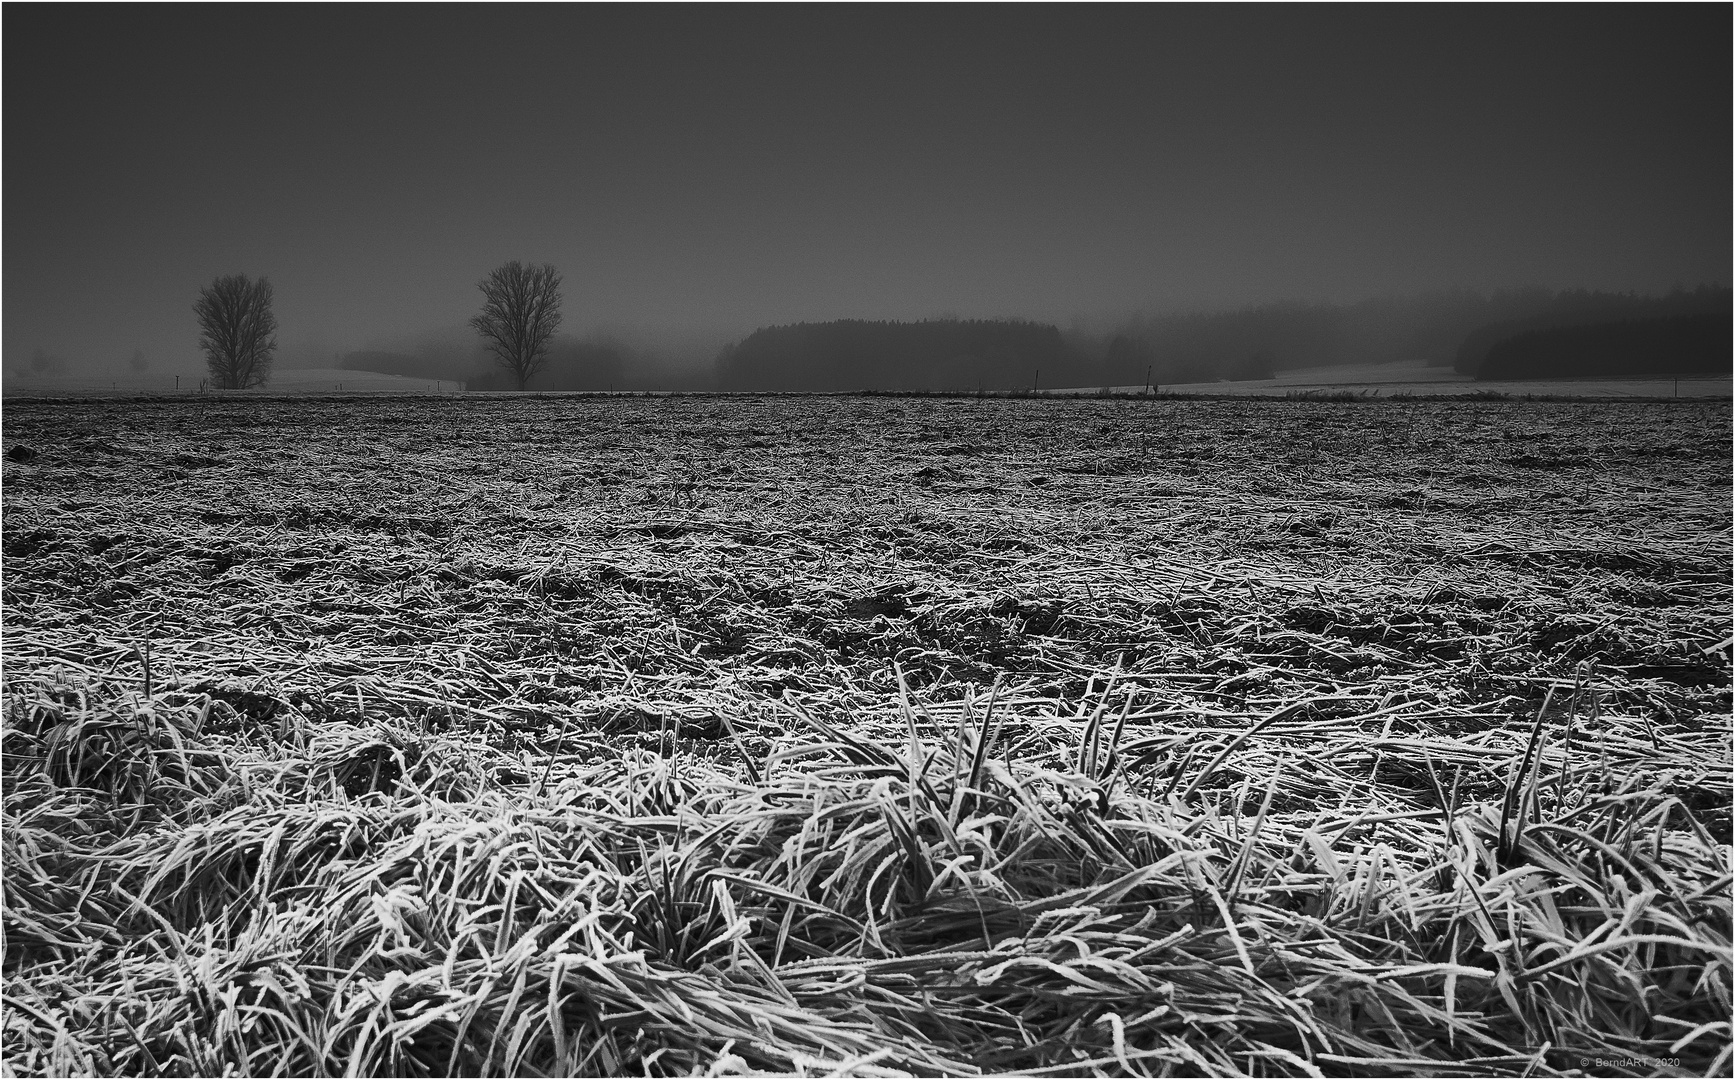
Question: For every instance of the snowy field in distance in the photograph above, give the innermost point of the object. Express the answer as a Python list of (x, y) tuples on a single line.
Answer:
[(1416, 377), (283, 381)]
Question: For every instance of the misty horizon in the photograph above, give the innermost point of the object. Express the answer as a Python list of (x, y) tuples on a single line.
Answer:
[(697, 174), (699, 347), (680, 356), (1452, 334)]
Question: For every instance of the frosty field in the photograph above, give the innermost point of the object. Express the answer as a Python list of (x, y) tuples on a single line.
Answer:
[(585, 736)]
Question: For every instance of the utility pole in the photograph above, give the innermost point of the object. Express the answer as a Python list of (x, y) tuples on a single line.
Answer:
[(1148, 369)]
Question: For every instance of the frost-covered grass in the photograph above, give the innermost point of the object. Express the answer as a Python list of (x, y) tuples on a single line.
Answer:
[(574, 737)]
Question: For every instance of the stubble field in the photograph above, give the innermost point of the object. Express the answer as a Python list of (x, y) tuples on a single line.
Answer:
[(582, 736)]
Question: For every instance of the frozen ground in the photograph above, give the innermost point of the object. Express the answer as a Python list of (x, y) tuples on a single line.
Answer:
[(557, 736)]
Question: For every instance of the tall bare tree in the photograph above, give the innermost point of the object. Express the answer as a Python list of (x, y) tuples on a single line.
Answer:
[(520, 311), (237, 331)]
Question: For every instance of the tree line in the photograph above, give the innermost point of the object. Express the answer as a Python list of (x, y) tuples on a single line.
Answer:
[(1446, 328), (1595, 320), (1635, 348), (520, 313), (1564, 334), (1455, 327)]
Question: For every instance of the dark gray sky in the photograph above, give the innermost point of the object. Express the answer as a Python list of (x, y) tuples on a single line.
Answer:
[(707, 170)]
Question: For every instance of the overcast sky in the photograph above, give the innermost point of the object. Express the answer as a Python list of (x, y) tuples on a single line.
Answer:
[(708, 170)]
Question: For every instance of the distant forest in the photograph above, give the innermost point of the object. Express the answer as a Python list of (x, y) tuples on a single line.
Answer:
[(1597, 314), (1513, 331), (1456, 328), (1682, 345), (1452, 328)]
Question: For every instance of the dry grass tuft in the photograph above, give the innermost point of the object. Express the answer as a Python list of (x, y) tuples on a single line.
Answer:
[(928, 907)]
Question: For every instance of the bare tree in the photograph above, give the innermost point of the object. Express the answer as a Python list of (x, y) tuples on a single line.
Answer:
[(237, 331), (520, 311)]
